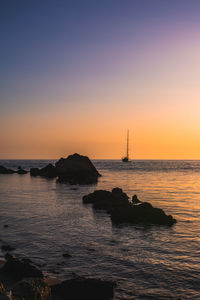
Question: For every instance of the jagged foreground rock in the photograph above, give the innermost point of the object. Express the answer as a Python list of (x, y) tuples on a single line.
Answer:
[(28, 283), (19, 269), (84, 288), (32, 289), (121, 210)]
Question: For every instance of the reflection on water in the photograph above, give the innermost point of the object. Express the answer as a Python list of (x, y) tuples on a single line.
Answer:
[(47, 219)]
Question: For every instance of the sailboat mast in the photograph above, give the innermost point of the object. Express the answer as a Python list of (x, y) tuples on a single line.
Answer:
[(127, 143)]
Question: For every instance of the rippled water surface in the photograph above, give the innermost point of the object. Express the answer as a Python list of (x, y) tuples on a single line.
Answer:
[(47, 219)]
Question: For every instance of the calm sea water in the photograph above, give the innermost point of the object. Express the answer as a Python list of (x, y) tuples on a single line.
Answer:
[(47, 219)]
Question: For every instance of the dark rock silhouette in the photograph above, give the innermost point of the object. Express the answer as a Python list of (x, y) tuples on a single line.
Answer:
[(84, 288), (49, 171), (67, 255), (76, 169), (143, 213), (121, 210), (19, 269), (107, 200), (4, 170), (21, 280), (32, 289), (21, 171), (35, 172)]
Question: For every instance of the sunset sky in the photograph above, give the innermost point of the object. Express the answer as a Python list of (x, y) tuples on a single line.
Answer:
[(75, 75)]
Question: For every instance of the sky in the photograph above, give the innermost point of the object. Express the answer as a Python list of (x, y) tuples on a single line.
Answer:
[(75, 75)]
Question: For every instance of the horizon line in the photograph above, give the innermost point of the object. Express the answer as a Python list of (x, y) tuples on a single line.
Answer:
[(103, 158)]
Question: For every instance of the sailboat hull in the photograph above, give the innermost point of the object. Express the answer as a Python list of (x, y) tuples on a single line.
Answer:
[(125, 159)]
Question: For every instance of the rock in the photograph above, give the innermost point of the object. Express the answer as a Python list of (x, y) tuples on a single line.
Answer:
[(143, 213), (32, 289), (67, 255), (34, 172), (121, 210), (106, 200), (49, 171), (21, 171), (76, 169), (19, 269), (7, 248), (4, 170), (84, 288)]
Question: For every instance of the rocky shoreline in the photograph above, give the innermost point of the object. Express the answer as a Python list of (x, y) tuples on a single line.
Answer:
[(21, 280), (75, 169)]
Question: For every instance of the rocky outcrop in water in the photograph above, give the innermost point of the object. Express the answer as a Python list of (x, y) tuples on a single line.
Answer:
[(84, 288), (76, 169), (21, 171), (4, 170), (48, 171), (107, 200), (121, 210)]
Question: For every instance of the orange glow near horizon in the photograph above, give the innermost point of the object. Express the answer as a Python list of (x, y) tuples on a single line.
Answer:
[(83, 95), (156, 132)]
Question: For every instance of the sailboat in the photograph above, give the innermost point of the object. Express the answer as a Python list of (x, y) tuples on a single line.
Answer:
[(126, 158)]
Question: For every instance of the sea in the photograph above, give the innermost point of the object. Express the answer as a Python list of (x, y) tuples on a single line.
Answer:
[(47, 219)]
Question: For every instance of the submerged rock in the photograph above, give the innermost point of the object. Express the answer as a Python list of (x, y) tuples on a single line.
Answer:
[(4, 170), (121, 210), (19, 269), (84, 288), (21, 171), (32, 289), (67, 255), (49, 171), (76, 169)]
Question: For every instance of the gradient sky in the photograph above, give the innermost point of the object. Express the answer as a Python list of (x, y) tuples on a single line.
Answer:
[(74, 75)]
